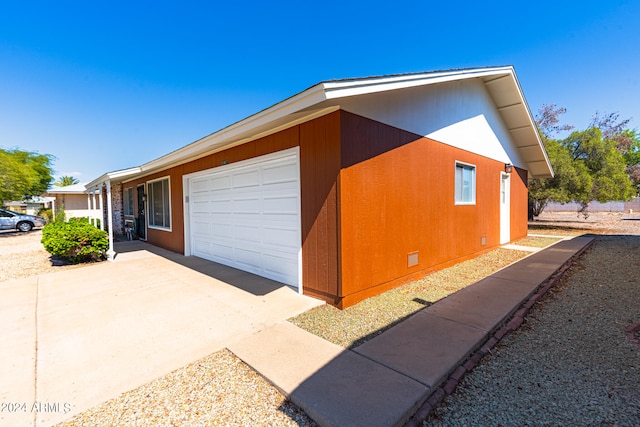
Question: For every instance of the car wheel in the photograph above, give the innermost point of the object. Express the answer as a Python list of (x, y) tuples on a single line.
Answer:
[(25, 226)]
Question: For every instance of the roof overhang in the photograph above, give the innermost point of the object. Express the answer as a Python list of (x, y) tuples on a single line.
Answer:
[(323, 98), (115, 176)]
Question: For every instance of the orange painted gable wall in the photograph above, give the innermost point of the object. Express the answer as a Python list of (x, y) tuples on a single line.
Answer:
[(397, 198)]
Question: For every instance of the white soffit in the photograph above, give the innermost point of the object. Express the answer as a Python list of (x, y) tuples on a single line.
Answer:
[(509, 100)]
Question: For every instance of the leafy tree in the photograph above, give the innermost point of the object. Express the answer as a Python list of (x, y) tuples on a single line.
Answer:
[(630, 149), (599, 158), (64, 181), (570, 179), (588, 165), (23, 174)]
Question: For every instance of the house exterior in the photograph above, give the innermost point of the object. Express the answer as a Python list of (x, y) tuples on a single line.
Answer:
[(72, 199), (350, 187)]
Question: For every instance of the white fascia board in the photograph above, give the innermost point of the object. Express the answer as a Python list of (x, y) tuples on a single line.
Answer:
[(305, 99), (340, 89)]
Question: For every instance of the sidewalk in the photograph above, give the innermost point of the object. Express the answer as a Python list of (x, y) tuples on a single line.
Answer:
[(409, 368)]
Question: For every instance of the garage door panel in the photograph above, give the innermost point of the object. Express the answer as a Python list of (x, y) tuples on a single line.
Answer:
[(280, 173), (280, 187), (219, 183), (248, 216), (248, 259), (200, 227), (281, 238), (247, 234), (200, 206), (220, 231), (283, 267), (220, 253), (220, 206), (282, 204), (201, 246), (246, 178), (247, 205), (200, 185)]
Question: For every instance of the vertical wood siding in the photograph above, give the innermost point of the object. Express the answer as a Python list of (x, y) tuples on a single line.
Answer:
[(319, 171)]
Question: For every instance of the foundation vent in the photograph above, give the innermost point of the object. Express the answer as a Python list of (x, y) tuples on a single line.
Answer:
[(483, 240), (412, 259)]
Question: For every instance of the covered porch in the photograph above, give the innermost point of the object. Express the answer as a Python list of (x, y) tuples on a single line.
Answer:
[(105, 205)]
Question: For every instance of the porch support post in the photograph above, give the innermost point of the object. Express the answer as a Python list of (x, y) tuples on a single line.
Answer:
[(101, 199), (92, 207), (110, 253)]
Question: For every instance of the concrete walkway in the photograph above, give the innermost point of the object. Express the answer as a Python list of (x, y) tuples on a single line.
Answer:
[(410, 367), (79, 337)]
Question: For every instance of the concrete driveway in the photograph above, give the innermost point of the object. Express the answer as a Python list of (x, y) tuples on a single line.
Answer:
[(76, 338)]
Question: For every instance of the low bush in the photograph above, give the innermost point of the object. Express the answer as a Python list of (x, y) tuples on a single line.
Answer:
[(47, 214), (76, 240)]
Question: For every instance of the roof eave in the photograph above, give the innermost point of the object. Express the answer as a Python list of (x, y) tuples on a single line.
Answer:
[(116, 176)]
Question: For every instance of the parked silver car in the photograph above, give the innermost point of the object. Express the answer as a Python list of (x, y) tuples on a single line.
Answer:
[(10, 220)]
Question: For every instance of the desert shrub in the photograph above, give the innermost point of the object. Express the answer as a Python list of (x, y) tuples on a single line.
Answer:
[(47, 214), (76, 240), (60, 215)]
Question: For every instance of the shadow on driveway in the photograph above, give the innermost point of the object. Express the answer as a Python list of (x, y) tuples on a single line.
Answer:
[(248, 282)]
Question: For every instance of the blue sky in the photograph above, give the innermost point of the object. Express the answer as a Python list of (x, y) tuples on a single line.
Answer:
[(105, 86)]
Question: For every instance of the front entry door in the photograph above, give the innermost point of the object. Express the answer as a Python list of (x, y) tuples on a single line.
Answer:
[(505, 208), (141, 223)]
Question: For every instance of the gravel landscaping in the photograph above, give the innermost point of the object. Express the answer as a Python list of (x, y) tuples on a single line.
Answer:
[(22, 255), (218, 390), (571, 363), (357, 324)]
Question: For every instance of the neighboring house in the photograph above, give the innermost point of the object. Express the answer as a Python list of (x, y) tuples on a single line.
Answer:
[(73, 199), (31, 206), (350, 187)]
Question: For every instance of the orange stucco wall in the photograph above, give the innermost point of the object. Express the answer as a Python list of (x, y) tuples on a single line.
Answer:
[(400, 201)]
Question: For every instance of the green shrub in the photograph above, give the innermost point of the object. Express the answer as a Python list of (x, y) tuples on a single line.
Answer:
[(46, 214), (60, 215), (76, 240)]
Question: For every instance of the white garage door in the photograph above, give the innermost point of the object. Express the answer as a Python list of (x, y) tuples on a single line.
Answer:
[(247, 215)]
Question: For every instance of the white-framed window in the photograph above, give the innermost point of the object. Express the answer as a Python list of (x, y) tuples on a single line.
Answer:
[(159, 203), (128, 201), (465, 184)]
